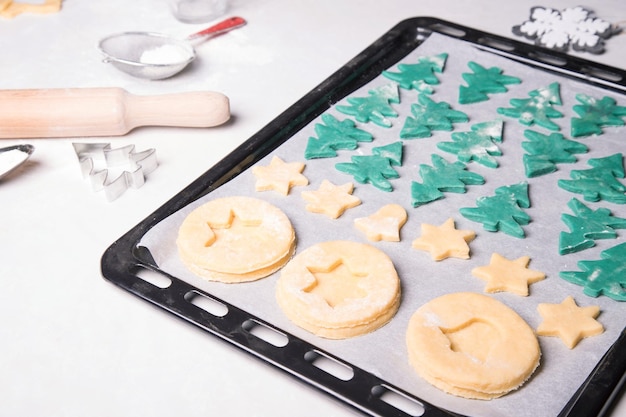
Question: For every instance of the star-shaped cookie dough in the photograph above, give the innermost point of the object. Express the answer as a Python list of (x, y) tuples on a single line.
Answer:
[(279, 176), (330, 199), (503, 274), (385, 224), (568, 321), (444, 241)]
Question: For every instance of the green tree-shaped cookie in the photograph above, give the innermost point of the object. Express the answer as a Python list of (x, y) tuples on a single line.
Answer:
[(595, 114), (477, 145), (599, 182), (419, 76), (586, 226), (502, 211), (441, 177), (544, 152), (428, 116), (393, 152), (333, 135), (537, 109), (482, 82), (377, 168), (375, 107), (606, 276)]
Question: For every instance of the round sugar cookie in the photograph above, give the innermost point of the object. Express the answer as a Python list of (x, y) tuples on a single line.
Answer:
[(339, 289), (235, 239), (471, 345)]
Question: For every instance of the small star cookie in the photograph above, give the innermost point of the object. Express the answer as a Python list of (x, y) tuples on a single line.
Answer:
[(279, 176), (503, 274), (444, 241), (568, 321), (330, 199), (385, 224)]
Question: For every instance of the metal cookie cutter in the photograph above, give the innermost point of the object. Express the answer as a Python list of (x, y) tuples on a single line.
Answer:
[(114, 170)]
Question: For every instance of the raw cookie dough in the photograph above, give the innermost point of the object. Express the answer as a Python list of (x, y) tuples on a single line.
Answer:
[(538, 108), (376, 168), (543, 152), (504, 274), (471, 345), (587, 225), (600, 182), (568, 321), (279, 176), (385, 224), (444, 241), (339, 289), (482, 81), (595, 114), (502, 211), (604, 276), (235, 239), (375, 108), (428, 116), (420, 76), (330, 199), (478, 144), (333, 135), (442, 176)]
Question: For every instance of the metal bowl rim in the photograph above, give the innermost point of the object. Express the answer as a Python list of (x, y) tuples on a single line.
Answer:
[(179, 42)]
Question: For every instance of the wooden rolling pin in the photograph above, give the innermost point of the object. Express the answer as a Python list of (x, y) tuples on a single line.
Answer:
[(70, 112)]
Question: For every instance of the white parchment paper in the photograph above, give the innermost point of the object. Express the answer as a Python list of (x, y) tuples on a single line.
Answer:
[(383, 352)]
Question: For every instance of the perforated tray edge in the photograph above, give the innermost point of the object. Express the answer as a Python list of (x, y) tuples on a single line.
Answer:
[(124, 259)]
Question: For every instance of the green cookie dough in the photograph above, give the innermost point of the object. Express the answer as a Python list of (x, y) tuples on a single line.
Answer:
[(419, 76), (483, 81), (599, 182), (606, 276), (544, 152), (595, 114), (333, 135), (441, 177), (377, 168), (586, 226), (428, 116), (502, 211), (477, 145), (537, 109), (375, 108)]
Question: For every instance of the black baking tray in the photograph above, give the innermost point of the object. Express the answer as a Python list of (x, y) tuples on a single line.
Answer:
[(125, 260)]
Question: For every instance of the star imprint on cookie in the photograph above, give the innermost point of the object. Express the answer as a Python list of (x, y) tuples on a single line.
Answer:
[(330, 199), (279, 176), (503, 274), (385, 224), (568, 321), (227, 220), (444, 241), (336, 283)]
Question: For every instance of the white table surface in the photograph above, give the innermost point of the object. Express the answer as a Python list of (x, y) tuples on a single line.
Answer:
[(72, 344)]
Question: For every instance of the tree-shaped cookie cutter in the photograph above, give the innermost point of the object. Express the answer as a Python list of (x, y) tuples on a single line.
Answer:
[(97, 161)]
